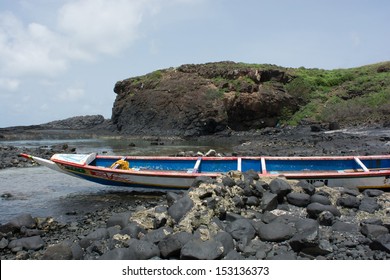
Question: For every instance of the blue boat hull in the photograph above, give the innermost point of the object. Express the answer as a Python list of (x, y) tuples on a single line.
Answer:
[(180, 172)]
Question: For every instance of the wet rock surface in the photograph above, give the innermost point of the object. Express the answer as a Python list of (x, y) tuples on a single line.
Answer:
[(9, 155), (302, 141), (212, 225)]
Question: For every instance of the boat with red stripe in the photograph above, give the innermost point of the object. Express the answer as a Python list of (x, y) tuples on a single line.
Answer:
[(159, 172)]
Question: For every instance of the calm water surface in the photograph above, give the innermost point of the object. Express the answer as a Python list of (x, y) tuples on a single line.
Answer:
[(43, 192)]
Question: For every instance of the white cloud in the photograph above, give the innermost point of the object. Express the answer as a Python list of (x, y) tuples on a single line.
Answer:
[(83, 30), (72, 94), (101, 26), (31, 49)]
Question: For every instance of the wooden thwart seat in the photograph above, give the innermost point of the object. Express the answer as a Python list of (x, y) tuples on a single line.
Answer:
[(197, 164), (360, 163)]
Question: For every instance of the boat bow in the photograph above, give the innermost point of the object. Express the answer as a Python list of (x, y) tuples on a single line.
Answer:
[(44, 162)]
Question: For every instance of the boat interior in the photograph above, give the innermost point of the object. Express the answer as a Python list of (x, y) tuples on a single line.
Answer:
[(271, 165)]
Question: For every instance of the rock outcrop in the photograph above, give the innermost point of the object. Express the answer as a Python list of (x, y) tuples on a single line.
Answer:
[(202, 99), (78, 122)]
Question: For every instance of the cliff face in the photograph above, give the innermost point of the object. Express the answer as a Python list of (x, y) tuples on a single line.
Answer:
[(202, 99)]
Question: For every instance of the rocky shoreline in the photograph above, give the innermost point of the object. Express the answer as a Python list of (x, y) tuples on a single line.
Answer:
[(304, 140), (237, 216)]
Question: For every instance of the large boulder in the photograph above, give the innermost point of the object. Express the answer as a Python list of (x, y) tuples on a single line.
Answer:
[(298, 199), (180, 208), (275, 232), (369, 204), (171, 245), (280, 187), (307, 235), (241, 230), (315, 209)]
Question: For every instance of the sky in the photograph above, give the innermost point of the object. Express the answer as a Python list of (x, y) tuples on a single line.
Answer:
[(62, 58)]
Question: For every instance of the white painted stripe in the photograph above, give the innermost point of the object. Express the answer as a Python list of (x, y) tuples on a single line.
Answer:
[(358, 161)]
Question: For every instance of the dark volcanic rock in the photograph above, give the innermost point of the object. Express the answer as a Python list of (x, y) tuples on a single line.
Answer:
[(373, 231), (155, 236), (180, 208), (307, 187), (120, 219), (214, 227), (315, 209), (202, 250), (98, 234), (326, 218), (78, 122), (320, 199), (58, 252), (201, 99), (348, 201), (171, 245), (241, 230), (345, 227), (202, 179), (298, 199), (257, 249), (307, 234), (234, 255), (28, 243), (280, 187), (23, 220), (382, 242), (119, 254), (226, 241), (275, 231), (269, 201), (143, 250), (133, 230), (369, 204)]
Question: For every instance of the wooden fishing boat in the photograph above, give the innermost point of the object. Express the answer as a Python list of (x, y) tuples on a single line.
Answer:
[(179, 172)]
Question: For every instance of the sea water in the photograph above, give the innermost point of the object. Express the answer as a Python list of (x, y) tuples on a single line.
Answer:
[(43, 192)]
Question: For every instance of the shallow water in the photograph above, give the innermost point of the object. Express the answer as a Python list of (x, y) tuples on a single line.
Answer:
[(43, 192), (128, 146)]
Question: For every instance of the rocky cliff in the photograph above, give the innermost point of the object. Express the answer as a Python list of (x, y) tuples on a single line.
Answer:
[(207, 98), (202, 99)]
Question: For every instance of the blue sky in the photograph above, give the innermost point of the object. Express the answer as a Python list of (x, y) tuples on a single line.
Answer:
[(62, 58)]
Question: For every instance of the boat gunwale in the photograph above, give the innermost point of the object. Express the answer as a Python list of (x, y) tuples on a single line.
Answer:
[(156, 173), (352, 157), (293, 175)]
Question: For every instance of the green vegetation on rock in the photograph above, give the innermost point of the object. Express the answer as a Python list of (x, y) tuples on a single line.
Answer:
[(345, 95), (199, 99)]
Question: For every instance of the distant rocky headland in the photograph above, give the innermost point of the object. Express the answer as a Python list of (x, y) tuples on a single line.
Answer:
[(74, 127)]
